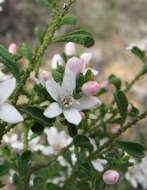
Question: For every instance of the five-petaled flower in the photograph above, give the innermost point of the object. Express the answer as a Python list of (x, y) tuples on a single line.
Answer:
[(8, 113), (65, 102)]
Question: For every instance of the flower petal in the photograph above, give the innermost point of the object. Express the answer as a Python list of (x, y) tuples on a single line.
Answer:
[(72, 116), (6, 89), (87, 102), (53, 88), (53, 110), (69, 82), (94, 71), (9, 114)]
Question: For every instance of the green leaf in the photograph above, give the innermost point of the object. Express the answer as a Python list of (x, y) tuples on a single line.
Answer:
[(8, 60), (24, 162), (134, 149), (122, 104), (139, 53), (37, 114), (25, 51), (69, 19), (46, 3), (80, 37), (115, 81), (37, 128), (38, 182), (4, 169), (83, 141), (51, 186)]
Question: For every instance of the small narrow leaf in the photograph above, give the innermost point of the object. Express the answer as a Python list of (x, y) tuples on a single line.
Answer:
[(25, 51), (139, 53), (122, 104), (69, 19), (37, 114), (83, 141), (8, 60), (80, 37), (115, 81), (134, 149)]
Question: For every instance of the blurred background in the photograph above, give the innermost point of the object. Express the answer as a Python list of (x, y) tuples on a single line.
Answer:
[(115, 24)]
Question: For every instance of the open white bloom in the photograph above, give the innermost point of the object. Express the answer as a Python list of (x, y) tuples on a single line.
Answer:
[(137, 174), (8, 113), (64, 100), (57, 140)]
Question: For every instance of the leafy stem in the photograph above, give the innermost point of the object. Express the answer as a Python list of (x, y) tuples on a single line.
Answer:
[(40, 50)]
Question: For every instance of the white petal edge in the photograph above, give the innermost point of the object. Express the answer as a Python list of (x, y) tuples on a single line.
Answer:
[(87, 102), (6, 89), (53, 110), (69, 82), (72, 116), (53, 88), (94, 71), (9, 114)]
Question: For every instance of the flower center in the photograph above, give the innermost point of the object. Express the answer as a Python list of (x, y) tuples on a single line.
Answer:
[(66, 102)]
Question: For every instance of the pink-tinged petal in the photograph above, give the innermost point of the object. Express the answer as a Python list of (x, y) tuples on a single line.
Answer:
[(90, 88), (53, 110), (12, 48), (53, 88), (9, 114), (87, 102), (72, 116), (70, 48), (6, 89), (75, 65), (44, 76), (69, 82)]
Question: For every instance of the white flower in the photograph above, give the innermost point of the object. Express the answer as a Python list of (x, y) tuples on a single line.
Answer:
[(56, 60), (8, 113), (99, 164), (65, 103), (87, 57), (137, 174), (57, 140)]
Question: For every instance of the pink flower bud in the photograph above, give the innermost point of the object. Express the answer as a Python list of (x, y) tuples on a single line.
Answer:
[(75, 65), (90, 88), (105, 84), (70, 49), (114, 130), (44, 77), (111, 177), (56, 60), (12, 48), (82, 115), (130, 108)]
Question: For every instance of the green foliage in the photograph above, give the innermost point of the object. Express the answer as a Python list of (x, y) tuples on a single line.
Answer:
[(83, 142), (115, 81), (25, 51), (9, 61), (79, 36), (134, 149), (69, 19), (139, 53), (122, 104), (37, 114)]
